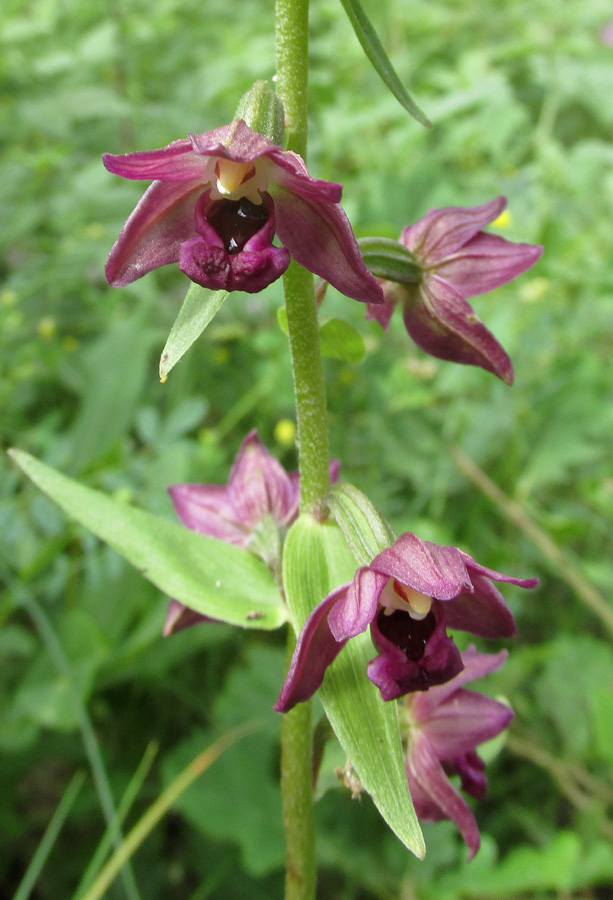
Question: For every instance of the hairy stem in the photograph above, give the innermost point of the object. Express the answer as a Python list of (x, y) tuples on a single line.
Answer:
[(292, 39)]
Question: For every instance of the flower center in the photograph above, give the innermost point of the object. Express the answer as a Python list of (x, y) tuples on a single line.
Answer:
[(235, 221), (230, 175), (397, 596), (408, 634)]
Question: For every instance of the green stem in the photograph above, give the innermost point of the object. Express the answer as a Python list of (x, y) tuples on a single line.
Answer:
[(292, 38), (292, 33), (297, 791)]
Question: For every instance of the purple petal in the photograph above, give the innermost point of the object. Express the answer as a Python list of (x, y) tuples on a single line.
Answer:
[(210, 266), (207, 508), (235, 141), (315, 650), (358, 603), (382, 312), (476, 665), (292, 175), (179, 617), (473, 566), (318, 235), (483, 612), (432, 570), (155, 230), (258, 484), (486, 262), (175, 162), (471, 769), (443, 231), (445, 325), (424, 766), (463, 722)]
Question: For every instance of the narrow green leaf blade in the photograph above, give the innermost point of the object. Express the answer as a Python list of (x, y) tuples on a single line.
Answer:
[(368, 38), (316, 559), (199, 307), (216, 579)]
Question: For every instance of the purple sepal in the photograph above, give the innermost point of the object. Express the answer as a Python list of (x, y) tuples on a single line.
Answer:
[(447, 724), (444, 324), (315, 650), (434, 796), (179, 617)]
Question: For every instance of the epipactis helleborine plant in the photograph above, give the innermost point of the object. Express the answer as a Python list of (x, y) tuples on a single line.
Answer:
[(457, 260), (408, 596), (443, 728), (216, 203), (253, 510)]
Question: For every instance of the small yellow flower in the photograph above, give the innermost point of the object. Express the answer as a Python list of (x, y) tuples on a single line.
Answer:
[(504, 219), (70, 343), (285, 433), (46, 327), (8, 297)]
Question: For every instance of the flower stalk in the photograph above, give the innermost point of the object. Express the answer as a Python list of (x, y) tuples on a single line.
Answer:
[(292, 44)]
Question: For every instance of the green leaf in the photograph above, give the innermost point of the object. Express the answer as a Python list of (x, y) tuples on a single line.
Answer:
[(316, 560), (216, 579), (367, 36), (199, 307), (364, 528), (340, 340)]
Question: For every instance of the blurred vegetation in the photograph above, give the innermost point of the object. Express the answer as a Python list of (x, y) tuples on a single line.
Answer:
[(520, 96)]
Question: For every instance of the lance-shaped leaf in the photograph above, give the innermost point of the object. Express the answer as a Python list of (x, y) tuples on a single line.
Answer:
[(368, 38), (316, 560), (199, 307), (216, 579)]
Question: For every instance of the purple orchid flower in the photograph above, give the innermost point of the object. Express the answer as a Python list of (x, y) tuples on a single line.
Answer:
[(409, 595), (445, 725), (458, 260), (258, 487), (217, 200)]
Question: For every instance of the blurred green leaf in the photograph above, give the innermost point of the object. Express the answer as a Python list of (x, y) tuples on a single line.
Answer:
[(340, 340)]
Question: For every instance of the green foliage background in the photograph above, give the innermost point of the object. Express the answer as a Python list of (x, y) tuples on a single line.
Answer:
[(520, 97)]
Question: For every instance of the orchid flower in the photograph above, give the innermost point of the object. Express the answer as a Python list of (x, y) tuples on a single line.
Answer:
[(444, 725), (215, 205), (259, 492), (457, 260), (408, 596)]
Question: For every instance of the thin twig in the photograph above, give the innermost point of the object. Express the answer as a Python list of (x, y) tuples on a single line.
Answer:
[(564, 567), (49, 838)]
